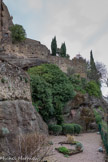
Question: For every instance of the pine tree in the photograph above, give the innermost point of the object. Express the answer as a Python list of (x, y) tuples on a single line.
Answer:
[(54, 46), (63, 50)]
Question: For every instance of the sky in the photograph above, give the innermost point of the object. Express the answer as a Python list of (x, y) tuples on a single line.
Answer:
[(81, 24)]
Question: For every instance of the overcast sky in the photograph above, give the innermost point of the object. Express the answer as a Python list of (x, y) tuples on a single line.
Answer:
[(81, 24)]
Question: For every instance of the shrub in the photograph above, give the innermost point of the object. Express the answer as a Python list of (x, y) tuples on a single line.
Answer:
[(55, 129), (63, 150), (27, 146), (78, 83), (68, 129), (77, 128), (98, 119), (18, 33), (79, 146), (71, 128), (93, 89)]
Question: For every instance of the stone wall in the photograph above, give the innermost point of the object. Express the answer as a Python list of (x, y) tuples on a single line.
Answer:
[(80, 67), (14, 83), (61, 62), (27, 49)]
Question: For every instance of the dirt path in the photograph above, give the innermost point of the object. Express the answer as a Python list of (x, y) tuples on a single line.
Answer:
[(91, 143)]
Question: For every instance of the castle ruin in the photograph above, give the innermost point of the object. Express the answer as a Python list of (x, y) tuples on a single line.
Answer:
[(31, 52)]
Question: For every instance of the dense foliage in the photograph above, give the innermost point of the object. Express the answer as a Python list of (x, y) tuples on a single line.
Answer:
[(51, 89), (18, 33), (93, 89), (78, 83)]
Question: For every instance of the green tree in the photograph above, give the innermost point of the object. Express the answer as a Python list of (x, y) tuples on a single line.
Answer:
[(94, 73), (18, 33), (63, 50), (54, 89), (54, 46), (42, 96)]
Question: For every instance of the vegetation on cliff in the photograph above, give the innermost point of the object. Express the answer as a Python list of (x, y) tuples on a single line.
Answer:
[(51, 89), (18, 33)]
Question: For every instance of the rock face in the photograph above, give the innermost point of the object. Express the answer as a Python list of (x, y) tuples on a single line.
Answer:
[(17, 115), (14, 83), (73, 109), (5, 22), (20, 117)]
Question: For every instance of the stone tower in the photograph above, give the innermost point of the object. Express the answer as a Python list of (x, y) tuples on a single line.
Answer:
[(79, 65), (5, 21)]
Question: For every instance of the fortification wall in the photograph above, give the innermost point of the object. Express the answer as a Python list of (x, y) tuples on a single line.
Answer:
[(14, 83), (80, 67), (61, 62), (27, 49)]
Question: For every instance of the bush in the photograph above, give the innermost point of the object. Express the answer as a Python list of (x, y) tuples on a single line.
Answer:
[(18, 33), (63, 150), (79, 146), (27, 146), (55, 129), (93, 89), (71, 128), (68, 129), (77, 128), (98, 119), (78, 83)]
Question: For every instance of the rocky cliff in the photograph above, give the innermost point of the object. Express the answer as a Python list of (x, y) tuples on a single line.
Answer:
[(17, 115), (73, 109)]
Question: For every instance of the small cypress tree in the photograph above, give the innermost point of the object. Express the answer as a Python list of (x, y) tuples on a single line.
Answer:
[(94, 74), (63, 50), (54, 46)]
